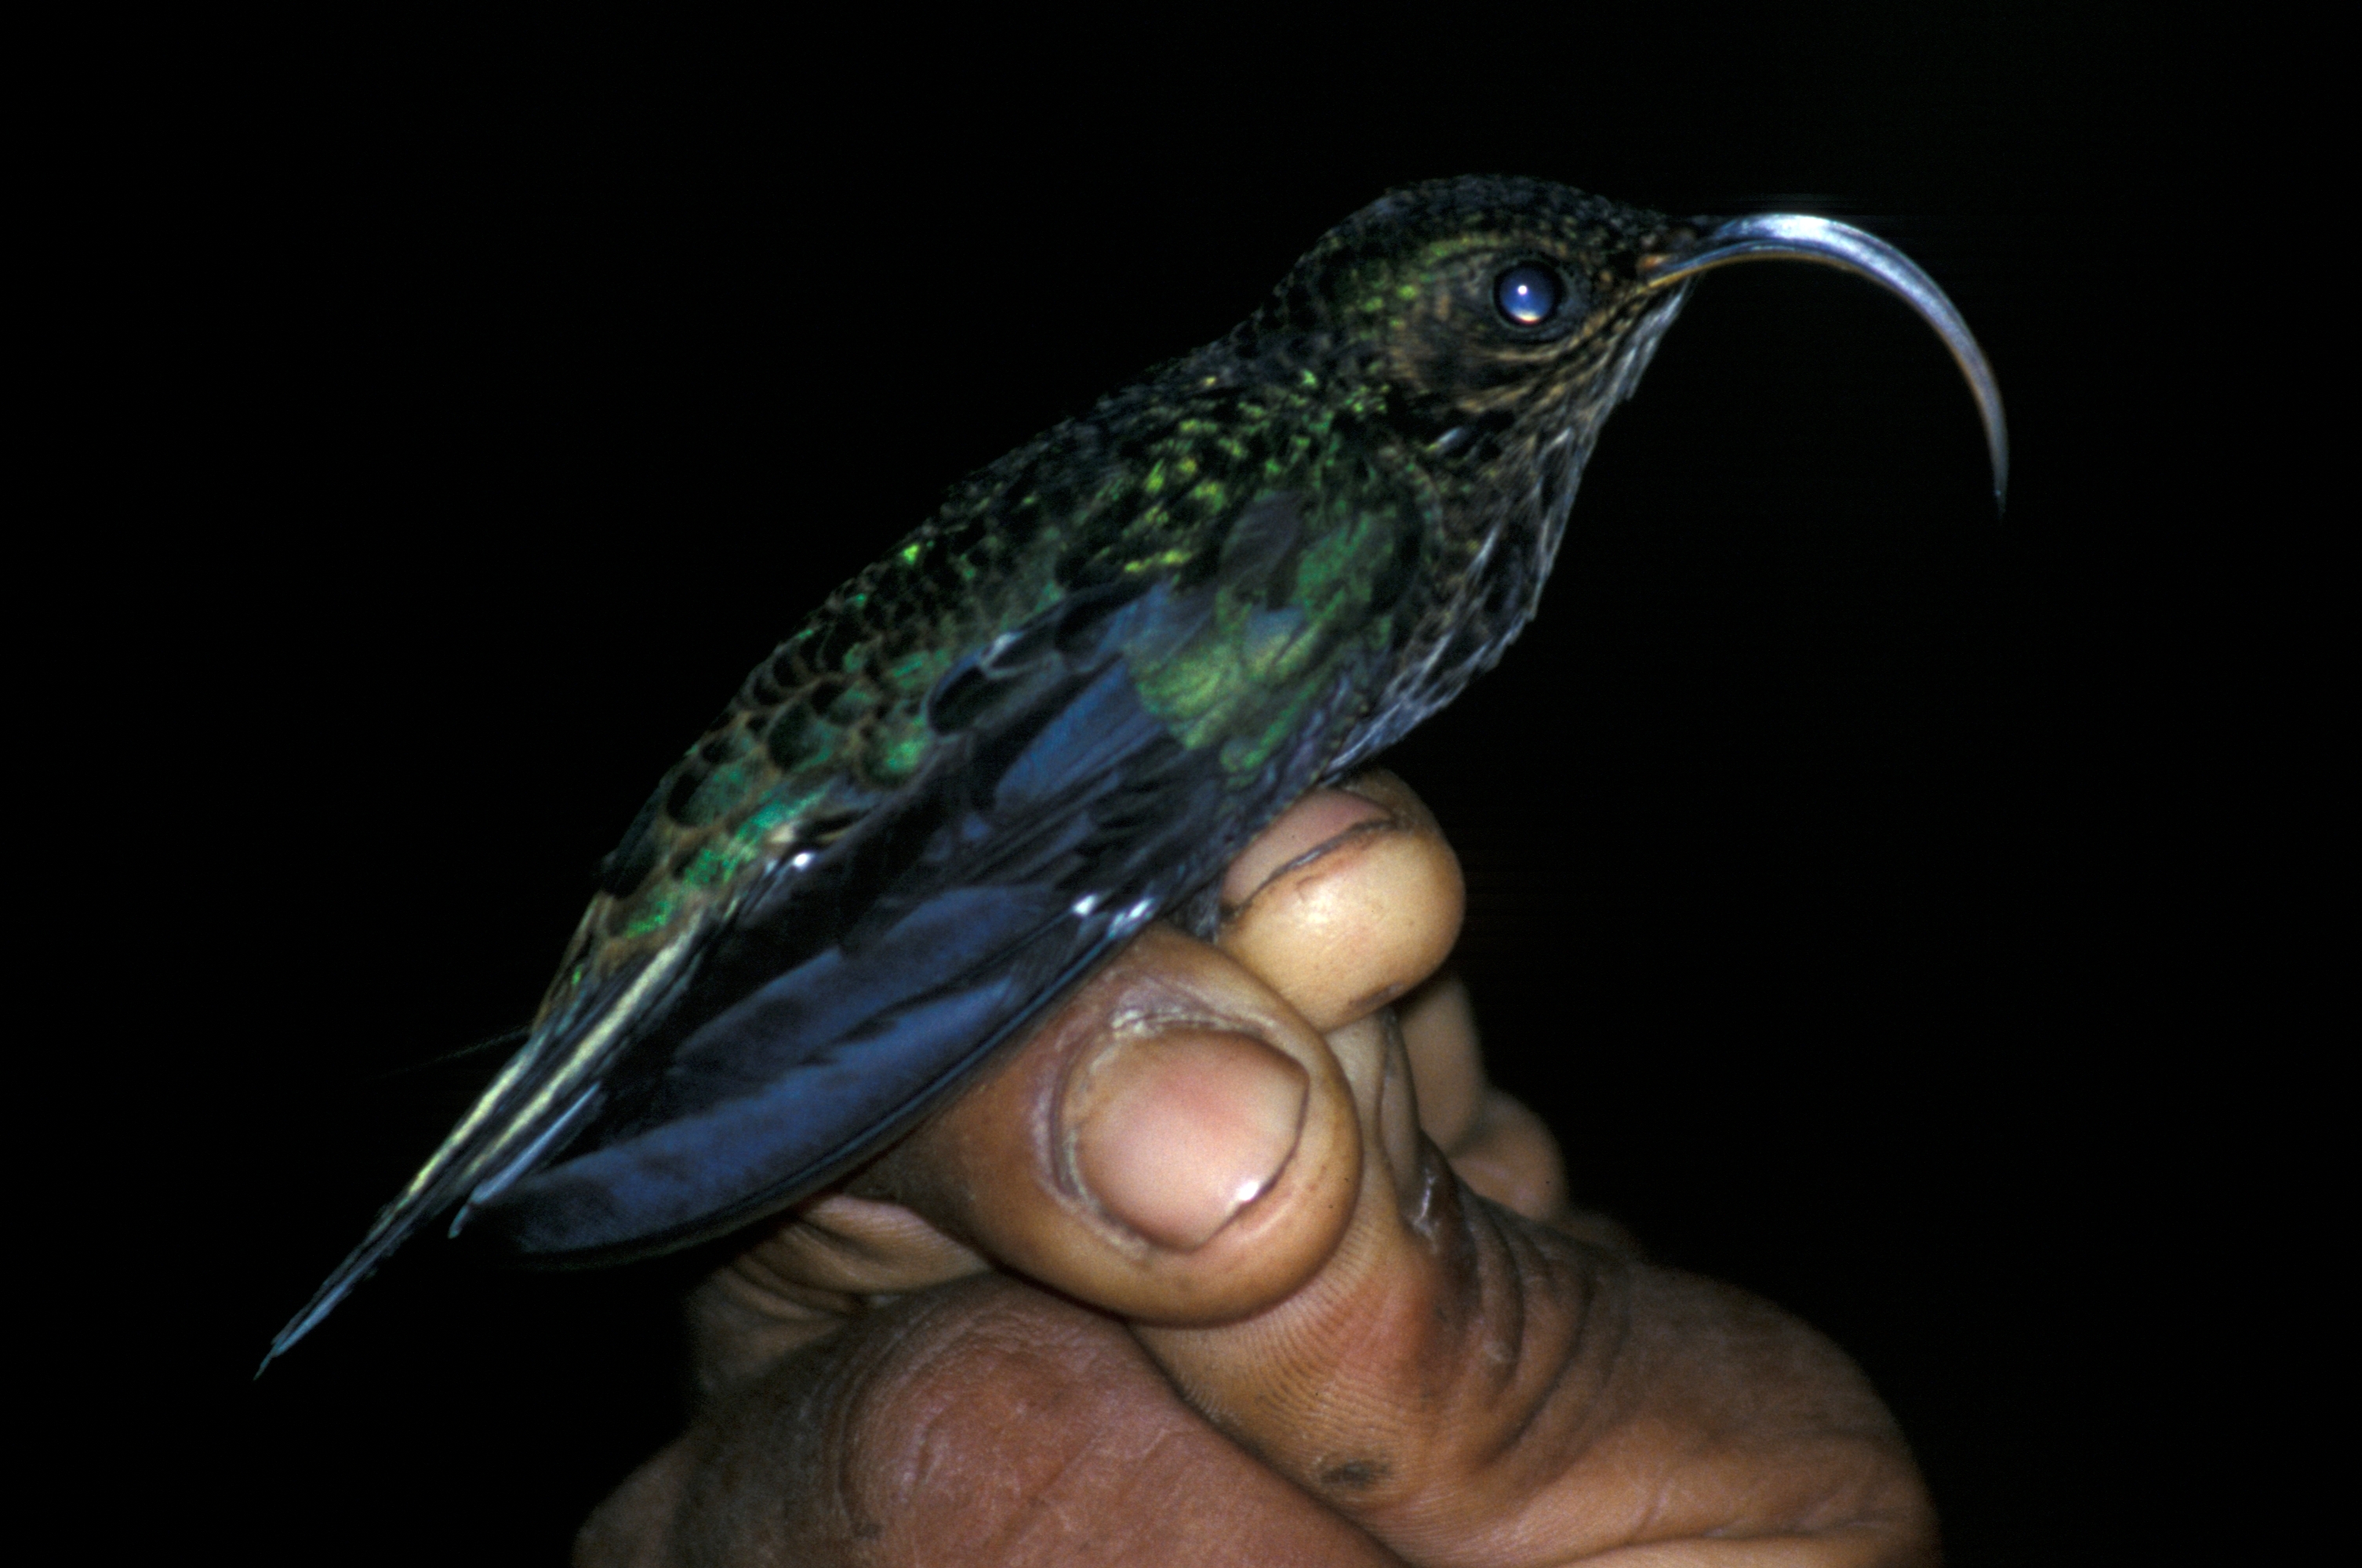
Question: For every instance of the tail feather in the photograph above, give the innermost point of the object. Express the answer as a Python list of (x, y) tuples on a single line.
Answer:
[(507, 1039), (519, 1119), (394, 1225)]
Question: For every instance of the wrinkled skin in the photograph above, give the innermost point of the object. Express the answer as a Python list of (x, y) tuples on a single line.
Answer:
[(1240, 1261)]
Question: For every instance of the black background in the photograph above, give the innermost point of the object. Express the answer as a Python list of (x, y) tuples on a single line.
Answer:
[(1847, 869)]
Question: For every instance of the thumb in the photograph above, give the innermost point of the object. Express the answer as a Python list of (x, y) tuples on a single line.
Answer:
[(1177, 1145)]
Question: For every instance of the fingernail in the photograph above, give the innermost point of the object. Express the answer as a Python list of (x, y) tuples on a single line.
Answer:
[(1311, 827), (1175, 1132)]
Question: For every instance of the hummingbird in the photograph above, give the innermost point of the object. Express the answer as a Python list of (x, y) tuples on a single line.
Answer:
[(1055, 712)]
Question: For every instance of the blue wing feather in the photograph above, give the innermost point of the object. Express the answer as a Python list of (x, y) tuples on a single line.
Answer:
[(1057, 821)]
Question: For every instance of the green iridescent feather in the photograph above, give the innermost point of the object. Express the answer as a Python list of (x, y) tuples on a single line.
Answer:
[(835, 718)]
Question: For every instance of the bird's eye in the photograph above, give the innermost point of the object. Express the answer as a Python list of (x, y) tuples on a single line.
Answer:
[(1527, 295)]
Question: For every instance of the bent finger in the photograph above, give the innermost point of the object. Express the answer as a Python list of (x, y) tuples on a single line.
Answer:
[(1473, 1387), (1043, 1434), (1348, 901), (1177, 1145)]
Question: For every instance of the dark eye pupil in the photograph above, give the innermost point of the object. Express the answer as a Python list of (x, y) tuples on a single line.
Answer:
[(1528, 294)]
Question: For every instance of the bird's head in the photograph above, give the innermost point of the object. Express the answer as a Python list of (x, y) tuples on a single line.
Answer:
[(1499, 320)]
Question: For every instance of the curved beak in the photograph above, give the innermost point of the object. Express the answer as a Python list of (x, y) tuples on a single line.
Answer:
[(1798, 238)]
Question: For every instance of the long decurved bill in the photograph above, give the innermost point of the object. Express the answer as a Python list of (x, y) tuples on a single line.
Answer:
[(1799, 237)]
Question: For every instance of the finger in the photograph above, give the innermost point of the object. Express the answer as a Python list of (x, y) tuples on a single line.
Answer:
[(1038, 1432), (807, 1276), (1473, 1389), (1177, 1144), (1350, 900), (1499, 1148)]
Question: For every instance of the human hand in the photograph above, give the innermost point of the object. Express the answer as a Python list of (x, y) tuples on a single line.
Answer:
[(1235, 1262)]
